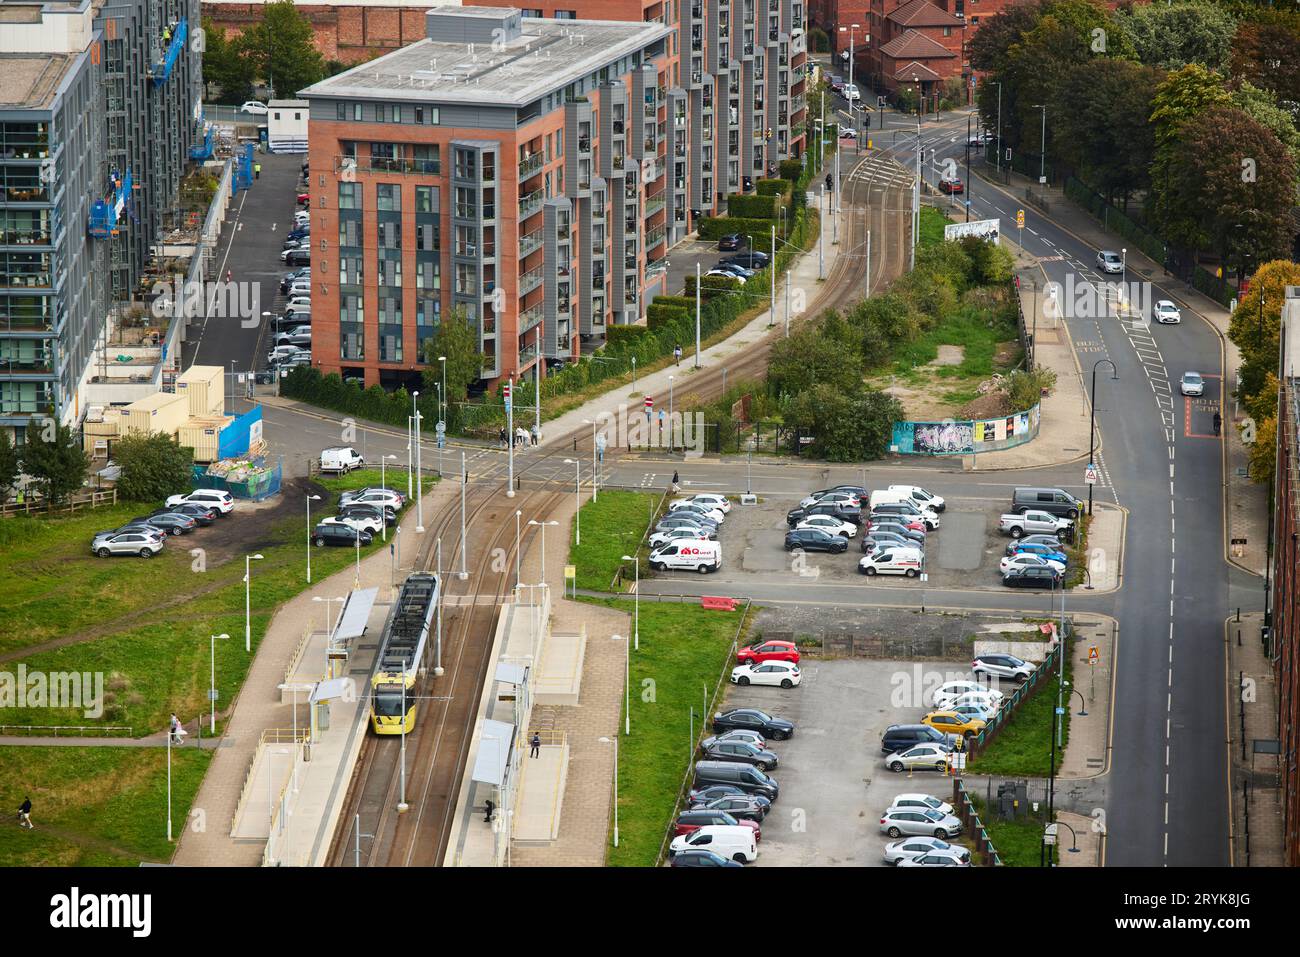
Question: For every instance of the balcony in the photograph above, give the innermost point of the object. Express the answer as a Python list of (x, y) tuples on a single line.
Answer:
[(697, 11), (531, 166), (654, 204), (531, 203), (530, 317), (584, 144), (383, 164), (655, 236), (26, 237), (530, 242), (527, 354), (530, 280)]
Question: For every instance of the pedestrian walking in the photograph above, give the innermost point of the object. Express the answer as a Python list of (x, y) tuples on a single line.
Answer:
[(25, 814), (1218, 423), (677, 354), (488, 808), (535, 745), (677, 486), (229, 276), (502, 437), (257, 171), (537, 435), (175, 729), (523, 437), (830, 183)]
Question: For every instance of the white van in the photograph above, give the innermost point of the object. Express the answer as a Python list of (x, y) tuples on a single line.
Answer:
[(688, 554), (733, 841), (343, 459), (894, 560), (902, 501), (921, 497)]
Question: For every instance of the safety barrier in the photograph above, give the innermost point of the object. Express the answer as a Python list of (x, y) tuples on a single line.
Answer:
[(717, 603), (964, 808), (54, 730)]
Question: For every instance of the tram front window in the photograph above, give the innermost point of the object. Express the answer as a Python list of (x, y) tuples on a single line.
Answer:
[(389, 704)]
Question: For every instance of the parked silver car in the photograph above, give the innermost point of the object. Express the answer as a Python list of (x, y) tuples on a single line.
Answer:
[(914, 820), (139, 543), (913, 847)]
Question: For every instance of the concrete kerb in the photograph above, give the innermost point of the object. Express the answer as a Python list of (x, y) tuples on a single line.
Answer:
[(1071, 765)]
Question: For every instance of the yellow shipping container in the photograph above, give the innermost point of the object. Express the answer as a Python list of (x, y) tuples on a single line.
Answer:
[(203, 435), (163, 412), (205, 388)]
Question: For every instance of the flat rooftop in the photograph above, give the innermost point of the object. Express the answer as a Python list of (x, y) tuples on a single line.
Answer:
[(548, 55), (30, 80)]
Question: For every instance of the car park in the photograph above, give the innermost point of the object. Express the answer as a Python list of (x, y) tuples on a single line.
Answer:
[(899, 821), (1109, 261), (741, 807), (701, 556), (340, 535), (1001, 665), (733, 749), (708, 500), (843, 513), (660, 539), (815, 540), (910, 848), (690, 821), (736, 842), (892, 560), (927, 801), (950, 722), (1165, 311), (701, 858), (1046, 577), (203, 515), (771, 650), (223, 502), (362, 523), (1025, 560), (781, 674), (901, 737), (770, 726), (743, 775), (724, 274), (1017, 524), (829, 523), (923, 756), (1191, 384), (373, 496), (138, 543), (750, 260), (920, 497), (948, 693), (731, 241)]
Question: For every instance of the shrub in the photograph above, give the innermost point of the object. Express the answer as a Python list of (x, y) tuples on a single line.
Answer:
[(768, 187), (790, 169), (711, 228), (761, 206), (658, 315)]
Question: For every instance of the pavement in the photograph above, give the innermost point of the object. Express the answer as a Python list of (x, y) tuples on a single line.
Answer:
[(1257, 835)]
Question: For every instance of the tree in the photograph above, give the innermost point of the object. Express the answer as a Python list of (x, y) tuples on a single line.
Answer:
[(57, 464), (281, 49), (1262, 106), (1263, 451), (1171, 36), (1255, 331), (10, 464), (1183, 95), (153, 467), (456, 338), (1223, 170), (845, 426), (225, 66), (1264, 52), (811, 357)]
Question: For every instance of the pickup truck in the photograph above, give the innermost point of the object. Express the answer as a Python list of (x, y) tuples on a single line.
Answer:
[(1032, 523)]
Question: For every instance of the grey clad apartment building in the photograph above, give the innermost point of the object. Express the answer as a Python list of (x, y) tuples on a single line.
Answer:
[(98, 107), (526, 168)]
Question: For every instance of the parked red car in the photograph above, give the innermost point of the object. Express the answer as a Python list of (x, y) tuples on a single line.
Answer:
[(304, 199), (769, 651), (688, 822), (908, 523)]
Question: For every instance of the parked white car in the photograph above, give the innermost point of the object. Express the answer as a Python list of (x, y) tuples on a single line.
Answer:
[(223, 502), (254, 107), (952, 857), (734, 841), (341, 459), (709, 500), (373, 496), (946, 694), (925, 756), (1001, 665), (922, 498), (914, 847), (829, 523), (981, 699), (1028, 561), (899, 821), (360, 523), (781, 674), (127, 543), (927, 801), (659, 539)]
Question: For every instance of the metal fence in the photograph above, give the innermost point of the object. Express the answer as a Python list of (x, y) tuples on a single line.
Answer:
[(1030, 687), (255, 483), (75, 503), (964, 808)]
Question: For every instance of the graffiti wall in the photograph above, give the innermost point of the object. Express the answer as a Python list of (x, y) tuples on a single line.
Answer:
[(965, 437)]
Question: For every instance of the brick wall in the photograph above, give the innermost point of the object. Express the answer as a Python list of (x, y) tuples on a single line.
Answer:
[(349, 34)]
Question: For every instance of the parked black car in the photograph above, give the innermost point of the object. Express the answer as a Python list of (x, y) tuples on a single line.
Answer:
[(815, 540), (844, 513), (298, 257), (749, 260), (168, 521), (769, 726), (1032, 576), (743, 807), (731, 241), (715, 750), (715, 791), (202, 514), (324, 535), (900, 737)]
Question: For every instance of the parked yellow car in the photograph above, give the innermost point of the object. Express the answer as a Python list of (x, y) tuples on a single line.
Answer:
[(950, 722)]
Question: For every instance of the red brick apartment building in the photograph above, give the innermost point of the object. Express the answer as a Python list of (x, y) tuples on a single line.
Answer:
[(526, 169), (1285, 590)]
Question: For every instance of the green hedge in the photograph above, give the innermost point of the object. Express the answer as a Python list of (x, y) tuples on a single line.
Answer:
[(686, 302), (708, 283), (621, 334), (769, 187), (790, 169), (658, 314), (712, 228), (331, 392), (740, 206)]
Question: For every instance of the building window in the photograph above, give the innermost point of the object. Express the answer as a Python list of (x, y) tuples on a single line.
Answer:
[(341, 111), (466, 164), (356, 112), (427, 160), (349, 232), (424, 199), (349, 196), (388, 197), (428, 275), (566, 14), (390, 235), (426, 237)]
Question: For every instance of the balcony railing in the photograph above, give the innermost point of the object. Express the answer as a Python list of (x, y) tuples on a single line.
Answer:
[(527, 354), (26, 237), (655, 236), (531, 166), (530, 242), (654, 204), (530, 203), (383, 164), (530, 280), (530, 317)]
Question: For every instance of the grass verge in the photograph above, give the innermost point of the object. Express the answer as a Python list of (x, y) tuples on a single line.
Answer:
[(96, 807), (1018, 841), (611, 527), (683, 650), (1023, 747), (932, 223)]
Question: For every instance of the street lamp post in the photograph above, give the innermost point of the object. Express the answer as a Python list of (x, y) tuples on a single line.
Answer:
[(998, 157), (464, 542), (636, 600), (383, 521), (672, 439), (1042, 156), (577, 500), (542, 526), (518, 515), (1092, 417), (627, 682), (310, 499), (594, 489), (607, 741), (419, 475), (212, 687), (442, 396), (410, 461), (248, 597)]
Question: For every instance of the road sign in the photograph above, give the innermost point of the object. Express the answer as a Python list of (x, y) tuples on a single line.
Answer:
[(649, 406), (1060, 711), (1020, 218), (1090, 474), (570, 571), (440, 428), (1093, 657)]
